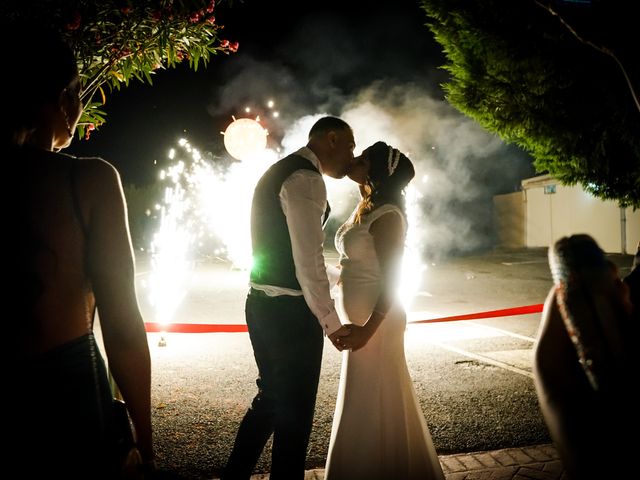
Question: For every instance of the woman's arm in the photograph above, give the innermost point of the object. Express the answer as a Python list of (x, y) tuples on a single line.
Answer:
[(111, 268), (388, 238)]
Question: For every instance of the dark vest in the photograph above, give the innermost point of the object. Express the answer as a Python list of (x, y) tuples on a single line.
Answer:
[(272, 256)]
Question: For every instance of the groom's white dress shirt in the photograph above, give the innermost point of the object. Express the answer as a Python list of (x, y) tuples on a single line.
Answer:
[(303, 197)]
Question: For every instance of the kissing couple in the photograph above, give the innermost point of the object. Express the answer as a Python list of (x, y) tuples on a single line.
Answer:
[(379, 431)]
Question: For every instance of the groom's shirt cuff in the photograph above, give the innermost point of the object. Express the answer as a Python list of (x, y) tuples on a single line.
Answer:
[(330, 323)]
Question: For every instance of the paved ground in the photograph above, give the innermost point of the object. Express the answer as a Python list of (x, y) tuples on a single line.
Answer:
[(202, 383), (540, 462), (535, 462)]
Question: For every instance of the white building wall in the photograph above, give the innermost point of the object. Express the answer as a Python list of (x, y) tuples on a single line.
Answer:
[(633, 230), (553, 211), (537, 218)]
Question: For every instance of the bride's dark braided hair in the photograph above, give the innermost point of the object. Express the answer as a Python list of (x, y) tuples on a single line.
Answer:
[(390, 171)]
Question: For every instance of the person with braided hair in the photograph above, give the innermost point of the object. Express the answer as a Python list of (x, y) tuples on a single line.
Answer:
[(379, 430), (583, 360)]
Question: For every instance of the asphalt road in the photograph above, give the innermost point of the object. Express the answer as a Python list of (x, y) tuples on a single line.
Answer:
[(473, 378)]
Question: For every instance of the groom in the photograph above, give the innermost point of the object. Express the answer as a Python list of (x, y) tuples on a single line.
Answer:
[(288, 308)]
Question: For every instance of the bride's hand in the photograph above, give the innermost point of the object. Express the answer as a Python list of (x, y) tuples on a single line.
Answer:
[(358, 338)]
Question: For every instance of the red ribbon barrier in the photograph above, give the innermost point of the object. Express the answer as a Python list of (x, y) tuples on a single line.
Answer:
[(195, 327), (505, 312), (241, 327)]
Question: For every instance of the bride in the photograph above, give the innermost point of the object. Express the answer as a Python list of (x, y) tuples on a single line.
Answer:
[(379, 431)]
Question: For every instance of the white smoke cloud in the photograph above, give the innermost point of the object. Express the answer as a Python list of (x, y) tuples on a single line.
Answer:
[(453, 157)]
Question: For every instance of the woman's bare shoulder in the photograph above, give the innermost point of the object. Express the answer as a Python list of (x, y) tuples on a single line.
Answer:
[(97, 174), (96, 166)]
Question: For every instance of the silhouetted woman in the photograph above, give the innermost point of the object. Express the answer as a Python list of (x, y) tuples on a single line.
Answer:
[(69, 252), (583, 364)]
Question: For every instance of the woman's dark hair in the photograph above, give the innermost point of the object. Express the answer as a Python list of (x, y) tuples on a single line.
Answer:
[(41, 64), (390, 171)]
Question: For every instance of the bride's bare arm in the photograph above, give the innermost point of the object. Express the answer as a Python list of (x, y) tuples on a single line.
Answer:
[(388, 239)]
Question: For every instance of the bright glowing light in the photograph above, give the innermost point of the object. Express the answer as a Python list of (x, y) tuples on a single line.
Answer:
[(225, 200), (203, 203), (270, 103), (412, 265), (169, 249), (245, 139)]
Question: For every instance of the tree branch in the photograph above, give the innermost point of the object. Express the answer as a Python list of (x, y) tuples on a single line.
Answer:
[(599, 48)]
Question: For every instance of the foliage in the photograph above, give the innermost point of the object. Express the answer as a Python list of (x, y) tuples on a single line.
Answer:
[(116, 41), (520, 72)]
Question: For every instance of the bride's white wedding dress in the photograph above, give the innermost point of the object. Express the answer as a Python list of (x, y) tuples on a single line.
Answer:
[(379, 431)]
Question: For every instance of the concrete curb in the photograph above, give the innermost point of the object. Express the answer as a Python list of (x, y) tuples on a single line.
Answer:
[(535, 462), (540, 462)]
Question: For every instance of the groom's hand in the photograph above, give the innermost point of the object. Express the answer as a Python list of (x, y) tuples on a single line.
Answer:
[(338, 337)]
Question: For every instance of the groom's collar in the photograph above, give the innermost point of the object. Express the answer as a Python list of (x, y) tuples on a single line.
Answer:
[(307, 153)]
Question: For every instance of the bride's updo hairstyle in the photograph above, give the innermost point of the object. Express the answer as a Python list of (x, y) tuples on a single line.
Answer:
[(390, 171)]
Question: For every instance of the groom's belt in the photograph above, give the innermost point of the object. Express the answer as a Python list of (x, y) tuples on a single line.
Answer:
[(258, 293), (274, 292)]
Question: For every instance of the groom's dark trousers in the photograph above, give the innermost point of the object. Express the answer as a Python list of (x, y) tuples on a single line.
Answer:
[(287, 343)]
